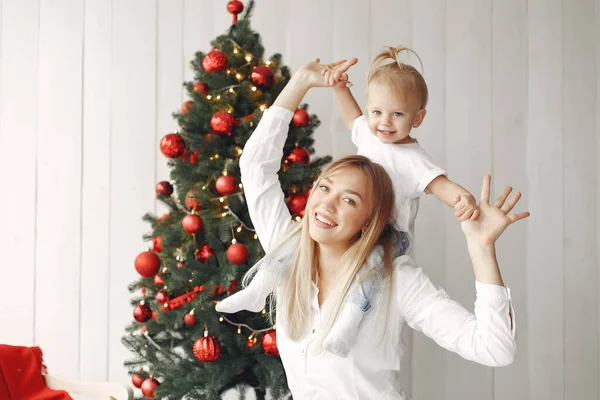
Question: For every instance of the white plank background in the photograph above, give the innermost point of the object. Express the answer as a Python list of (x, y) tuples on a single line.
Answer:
[(87, 89)]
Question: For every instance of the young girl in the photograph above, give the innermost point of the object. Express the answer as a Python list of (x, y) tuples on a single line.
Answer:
[(347, 215), (396, 100)]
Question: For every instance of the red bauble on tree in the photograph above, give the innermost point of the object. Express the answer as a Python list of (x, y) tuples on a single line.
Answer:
[(204, 253), (172, 145), (191, 202), (237, 253), (297, 203), (207, 348), (201, 87), (215, 61), (142, 313), (298, 155), (149, 386), (225, 185), (189, 319), (269, 343), (157, 244), (191, 223), (185, 107), (262, 76), (164, 188), (137, 380), (147, 264), (158, 280), (161, 297), (222, 122), (300, 118), (235, 7)]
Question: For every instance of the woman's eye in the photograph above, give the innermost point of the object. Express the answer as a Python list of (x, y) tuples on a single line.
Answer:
[(323, 188)]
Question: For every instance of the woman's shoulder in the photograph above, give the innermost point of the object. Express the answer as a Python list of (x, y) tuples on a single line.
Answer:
[(407, 271)]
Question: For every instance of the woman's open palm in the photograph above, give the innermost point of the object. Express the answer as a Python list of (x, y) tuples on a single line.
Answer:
[(494, 218)]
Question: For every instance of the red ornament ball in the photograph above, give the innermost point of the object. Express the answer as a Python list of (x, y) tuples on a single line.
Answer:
[(237, 253), (207, 349), (158, 280), (297, 203), (137, 380), (191, 202), (225, 185), (262, 76), (164, 188), (147, 264), (142, 313), (222, 122), (189, 319), (172, 145), (185, 107), (298, 155), (201, 87), (301, 118), (180, 264), (205, 253), (161, 297), (157, 244), (149, 386), (235, 7), (269, 343), (215, 61), (191, 223)]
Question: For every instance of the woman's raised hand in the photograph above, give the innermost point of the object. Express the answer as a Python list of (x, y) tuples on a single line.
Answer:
[(493, 218), (334, 74)]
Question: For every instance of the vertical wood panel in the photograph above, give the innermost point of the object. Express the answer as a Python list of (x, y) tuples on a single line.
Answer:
[(309, 34), (132, 149), (509, 138), (580, 202), (198, 28), (93, 349), (468, 157), (429, 40), (170, 64), (545, 276), (18, 147), (58, 248), (350, 39)]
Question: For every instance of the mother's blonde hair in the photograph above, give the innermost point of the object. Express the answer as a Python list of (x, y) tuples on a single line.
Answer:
[(295, 301)]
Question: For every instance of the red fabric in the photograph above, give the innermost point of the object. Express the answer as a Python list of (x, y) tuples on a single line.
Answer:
[(21, 375)]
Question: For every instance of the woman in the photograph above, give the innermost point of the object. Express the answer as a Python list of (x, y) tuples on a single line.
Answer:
[(347, 215)]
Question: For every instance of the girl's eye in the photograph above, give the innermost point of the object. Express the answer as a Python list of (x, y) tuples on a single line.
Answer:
[(350, 201), (377, 112), (397, 114)]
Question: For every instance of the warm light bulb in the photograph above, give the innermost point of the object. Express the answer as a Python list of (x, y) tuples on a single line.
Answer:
[(208, 97), (219, 97), (220, 319), (221, 199), (231, 90), (248, 58), (268, 62), (240, 151), (254, 88), (239, 229), (235, 51), (262, 107), (238, 76)]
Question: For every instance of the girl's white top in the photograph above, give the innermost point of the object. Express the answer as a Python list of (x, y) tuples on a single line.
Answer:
[(408, 165), (371, 370)]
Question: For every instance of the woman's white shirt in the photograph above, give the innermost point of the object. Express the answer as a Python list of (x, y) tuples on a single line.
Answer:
[(372, 367)]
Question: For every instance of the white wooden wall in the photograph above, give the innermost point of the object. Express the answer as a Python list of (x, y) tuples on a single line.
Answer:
[(87, 89)]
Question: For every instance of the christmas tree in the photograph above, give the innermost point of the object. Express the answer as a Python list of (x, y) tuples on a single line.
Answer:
[(204, 244)]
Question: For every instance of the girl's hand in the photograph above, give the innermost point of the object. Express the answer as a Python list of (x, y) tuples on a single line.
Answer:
[(465, 207), (315, 74), (493, 218)]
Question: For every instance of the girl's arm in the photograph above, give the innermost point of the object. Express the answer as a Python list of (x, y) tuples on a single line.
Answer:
[(347, 105), (454, 195)]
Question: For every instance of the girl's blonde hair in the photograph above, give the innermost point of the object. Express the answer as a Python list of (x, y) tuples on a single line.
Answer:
[(397, 74), (295, 302)]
